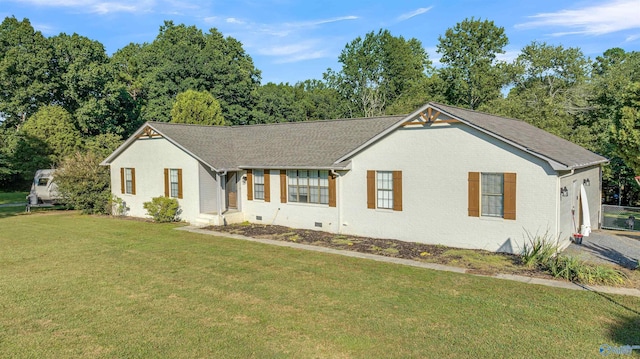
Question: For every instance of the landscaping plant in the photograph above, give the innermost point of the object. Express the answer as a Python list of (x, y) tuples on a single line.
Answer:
[(163, 209)]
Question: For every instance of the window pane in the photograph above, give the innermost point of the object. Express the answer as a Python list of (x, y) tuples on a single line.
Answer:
[(258, 176), (128, 181), (259, 191), (324, 195), (293, 193), (258, 184), (384, 183), (492, 194), (173, 179), (314, 194)]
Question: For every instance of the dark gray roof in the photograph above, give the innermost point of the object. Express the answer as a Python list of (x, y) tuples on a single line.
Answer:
[(316, 144), (527, 136), (331, 143)]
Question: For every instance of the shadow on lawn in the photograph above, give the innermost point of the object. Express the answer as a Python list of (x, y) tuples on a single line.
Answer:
[(626, 330), (10, 211)]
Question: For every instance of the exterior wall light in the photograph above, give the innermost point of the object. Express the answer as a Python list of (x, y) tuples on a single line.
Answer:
[(564, 192), (586, 182)]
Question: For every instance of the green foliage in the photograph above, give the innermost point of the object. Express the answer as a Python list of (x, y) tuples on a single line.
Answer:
[(53, 127), (84, 184), (80, 72), (118, 206), (626, 128), (471, 71), (102, 145), (542, 252), (197, 107), (163, 209), (377, 70), (539, 250), (549, 90), (182, 58), (24, 71)]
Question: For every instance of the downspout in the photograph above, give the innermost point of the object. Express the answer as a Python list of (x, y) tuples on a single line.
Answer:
[(559, 198), (220, 216), (338, 201)]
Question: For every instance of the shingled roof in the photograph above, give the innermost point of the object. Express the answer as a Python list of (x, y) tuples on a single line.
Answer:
[(311, 144), (526, 136), (330, 144)]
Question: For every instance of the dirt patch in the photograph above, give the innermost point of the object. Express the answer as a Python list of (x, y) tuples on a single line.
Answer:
[(475, 261)]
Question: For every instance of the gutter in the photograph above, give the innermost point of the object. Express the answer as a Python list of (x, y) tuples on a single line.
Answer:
[(339, 202), (219, 175), (346, 167)]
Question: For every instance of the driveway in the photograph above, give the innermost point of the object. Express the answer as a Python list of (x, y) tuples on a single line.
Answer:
[(604, 246)]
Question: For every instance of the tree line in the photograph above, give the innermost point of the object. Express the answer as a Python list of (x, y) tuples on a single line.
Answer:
[(63, 95)]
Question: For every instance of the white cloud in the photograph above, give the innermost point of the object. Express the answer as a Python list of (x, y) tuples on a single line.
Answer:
[(610, 16), (111, 7), (414, 13), (233, 20), (285, 42), (97, 6), (632, 38)]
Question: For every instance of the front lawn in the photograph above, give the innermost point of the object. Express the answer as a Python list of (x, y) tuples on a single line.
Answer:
[(91, 287), (13, 197)]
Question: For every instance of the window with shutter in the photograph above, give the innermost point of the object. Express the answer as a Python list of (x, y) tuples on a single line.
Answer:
[(492, 195), (173, 182), (384, 190), (128, 180)]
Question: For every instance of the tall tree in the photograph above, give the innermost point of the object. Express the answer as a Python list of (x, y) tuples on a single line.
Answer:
[(471, 72), (320, 101), (549, 89), (80, 70), (278, 103), (197, 107), (25, 77), (377, 70), (53, 126), (183, 57)]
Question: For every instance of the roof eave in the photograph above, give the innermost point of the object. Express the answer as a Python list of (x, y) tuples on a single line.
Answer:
[(336, 167)]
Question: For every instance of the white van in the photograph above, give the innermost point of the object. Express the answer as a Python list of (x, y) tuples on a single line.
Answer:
[(43, 189)]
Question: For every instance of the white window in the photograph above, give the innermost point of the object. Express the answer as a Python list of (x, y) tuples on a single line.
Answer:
[(492, 194), (384, 183), (128, 181), (174, 183), (258, 184), (308, 186)]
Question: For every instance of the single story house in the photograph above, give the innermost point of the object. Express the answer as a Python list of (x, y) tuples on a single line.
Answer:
[(441, 175)]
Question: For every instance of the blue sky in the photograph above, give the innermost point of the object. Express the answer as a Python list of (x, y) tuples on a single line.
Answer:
[(292, 41)]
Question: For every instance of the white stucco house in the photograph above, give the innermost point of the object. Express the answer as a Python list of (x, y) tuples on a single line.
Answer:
[(441, 175)]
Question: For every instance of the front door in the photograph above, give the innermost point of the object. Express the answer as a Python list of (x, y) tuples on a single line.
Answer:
[(231, 190)]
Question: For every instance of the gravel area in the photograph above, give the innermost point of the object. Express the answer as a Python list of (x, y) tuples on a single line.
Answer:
[(619, 247)]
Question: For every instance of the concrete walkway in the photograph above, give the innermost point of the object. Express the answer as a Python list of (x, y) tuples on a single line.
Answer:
[(408, 262)]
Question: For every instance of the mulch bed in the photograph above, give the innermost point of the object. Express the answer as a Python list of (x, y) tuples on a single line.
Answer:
[(385, 247)]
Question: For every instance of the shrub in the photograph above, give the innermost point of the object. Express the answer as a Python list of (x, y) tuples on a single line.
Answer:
[(84, 184), (118, 206), (163, 209)]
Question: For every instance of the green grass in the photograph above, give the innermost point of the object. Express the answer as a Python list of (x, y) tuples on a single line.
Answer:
[(95, 287), (13, 197)]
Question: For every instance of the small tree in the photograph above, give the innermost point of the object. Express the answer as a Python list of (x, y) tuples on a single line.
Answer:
[(197, 107), (84, 184)]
